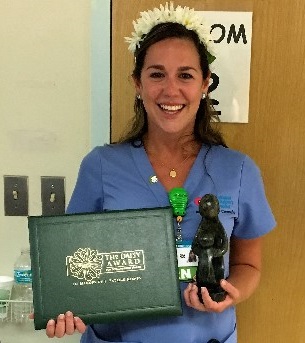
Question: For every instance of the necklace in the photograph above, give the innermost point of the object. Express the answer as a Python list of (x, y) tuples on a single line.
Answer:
[(173, 170)]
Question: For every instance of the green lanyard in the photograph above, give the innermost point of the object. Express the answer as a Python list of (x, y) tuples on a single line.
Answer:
[(178, 199)]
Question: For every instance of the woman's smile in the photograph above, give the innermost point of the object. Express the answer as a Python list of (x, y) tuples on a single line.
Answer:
[(171, 109)]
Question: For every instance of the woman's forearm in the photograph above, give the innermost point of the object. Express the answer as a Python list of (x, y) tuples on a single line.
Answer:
[(245, 278)]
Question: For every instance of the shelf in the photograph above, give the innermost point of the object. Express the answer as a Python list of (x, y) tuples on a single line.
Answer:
[(7, 314)]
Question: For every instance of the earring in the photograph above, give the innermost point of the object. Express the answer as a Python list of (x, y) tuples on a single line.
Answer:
[(203, 96), (138, 96)]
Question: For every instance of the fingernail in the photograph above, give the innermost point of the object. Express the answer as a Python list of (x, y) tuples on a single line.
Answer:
[(69, 313), (61, 316), (51, 322)]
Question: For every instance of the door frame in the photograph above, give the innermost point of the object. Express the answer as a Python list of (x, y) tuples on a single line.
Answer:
[(100, 71)]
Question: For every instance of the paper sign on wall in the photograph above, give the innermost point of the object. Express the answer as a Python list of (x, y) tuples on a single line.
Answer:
[(230, 84)]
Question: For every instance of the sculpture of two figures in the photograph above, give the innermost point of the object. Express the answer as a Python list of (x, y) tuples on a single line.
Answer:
[(210, 244)]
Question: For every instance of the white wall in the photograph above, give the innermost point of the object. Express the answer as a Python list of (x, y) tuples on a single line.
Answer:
[(45, 111)]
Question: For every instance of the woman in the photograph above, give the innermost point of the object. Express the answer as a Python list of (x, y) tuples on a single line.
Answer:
[(172, 143)]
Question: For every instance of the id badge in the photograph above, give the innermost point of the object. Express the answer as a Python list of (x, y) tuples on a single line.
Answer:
[(187, 261)]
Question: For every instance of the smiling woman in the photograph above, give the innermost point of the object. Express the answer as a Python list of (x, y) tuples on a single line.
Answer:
[(192, 71), (171, 88), (172, 145)]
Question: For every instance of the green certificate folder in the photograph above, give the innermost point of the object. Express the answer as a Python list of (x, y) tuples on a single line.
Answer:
[(111, 266)]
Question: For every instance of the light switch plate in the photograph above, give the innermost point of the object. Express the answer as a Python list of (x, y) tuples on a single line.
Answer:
[(53, 195), (16, 195)]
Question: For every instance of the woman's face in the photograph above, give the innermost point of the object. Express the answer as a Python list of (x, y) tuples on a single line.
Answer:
[(171, 86)]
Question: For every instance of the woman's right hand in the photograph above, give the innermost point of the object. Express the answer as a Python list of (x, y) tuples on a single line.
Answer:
[(66, 324)]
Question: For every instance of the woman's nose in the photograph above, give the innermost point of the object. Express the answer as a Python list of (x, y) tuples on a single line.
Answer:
[(171, 87)]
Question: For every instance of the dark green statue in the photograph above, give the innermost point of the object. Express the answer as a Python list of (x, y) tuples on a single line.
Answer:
[(210, 244)]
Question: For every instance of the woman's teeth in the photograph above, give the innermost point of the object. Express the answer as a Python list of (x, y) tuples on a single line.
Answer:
[(171, 107)]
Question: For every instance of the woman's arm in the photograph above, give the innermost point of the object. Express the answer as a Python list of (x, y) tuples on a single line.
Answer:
[(245, 266), (244, 277)]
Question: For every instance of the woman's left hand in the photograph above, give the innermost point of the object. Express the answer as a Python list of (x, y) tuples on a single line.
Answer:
[(192, 300)]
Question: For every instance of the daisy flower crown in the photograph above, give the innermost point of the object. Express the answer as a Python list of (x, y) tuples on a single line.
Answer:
[(168, 14)]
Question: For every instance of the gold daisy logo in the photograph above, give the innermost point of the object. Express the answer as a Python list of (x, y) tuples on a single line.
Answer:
[(85, 264)]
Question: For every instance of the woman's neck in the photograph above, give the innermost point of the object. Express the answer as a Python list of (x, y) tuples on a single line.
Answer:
[(171, 159), (170, 147)]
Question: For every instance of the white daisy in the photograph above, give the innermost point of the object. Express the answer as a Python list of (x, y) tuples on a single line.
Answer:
[(168, 14)]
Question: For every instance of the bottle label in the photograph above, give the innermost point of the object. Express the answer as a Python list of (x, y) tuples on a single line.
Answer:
[(23, 276)]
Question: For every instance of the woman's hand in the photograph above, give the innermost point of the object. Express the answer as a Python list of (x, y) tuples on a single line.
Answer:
[(66, 324), (192, 300), (244, 276)]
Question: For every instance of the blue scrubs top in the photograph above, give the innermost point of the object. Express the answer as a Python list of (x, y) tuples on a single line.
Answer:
[(120, 176)]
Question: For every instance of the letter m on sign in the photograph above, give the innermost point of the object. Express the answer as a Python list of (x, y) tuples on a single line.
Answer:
[(236, 36)]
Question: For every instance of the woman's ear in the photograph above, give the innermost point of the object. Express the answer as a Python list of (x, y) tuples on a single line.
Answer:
[(206, 84), (137, 85)]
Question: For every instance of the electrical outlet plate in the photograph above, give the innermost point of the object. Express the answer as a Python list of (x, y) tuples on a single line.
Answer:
[(53, 195), (16, 195)]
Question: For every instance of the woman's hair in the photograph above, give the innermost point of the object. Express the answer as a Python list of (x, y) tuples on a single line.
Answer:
[(203, 130)]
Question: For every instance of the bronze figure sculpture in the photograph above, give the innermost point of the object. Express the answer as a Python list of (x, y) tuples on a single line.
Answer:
[(210, 244)]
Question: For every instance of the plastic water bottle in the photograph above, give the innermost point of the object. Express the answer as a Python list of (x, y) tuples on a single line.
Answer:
[(22, 294)]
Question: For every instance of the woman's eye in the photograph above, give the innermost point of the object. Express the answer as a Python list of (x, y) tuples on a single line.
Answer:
[(156, 75), (186, 76)]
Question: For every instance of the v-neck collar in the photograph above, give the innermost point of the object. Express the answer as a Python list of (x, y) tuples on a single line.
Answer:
[(148, 174)]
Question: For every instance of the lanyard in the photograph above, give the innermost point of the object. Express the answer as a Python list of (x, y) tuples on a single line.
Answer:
[(178, 199)]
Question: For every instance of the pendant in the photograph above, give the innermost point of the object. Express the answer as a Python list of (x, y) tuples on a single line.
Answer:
[(173, 173)]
